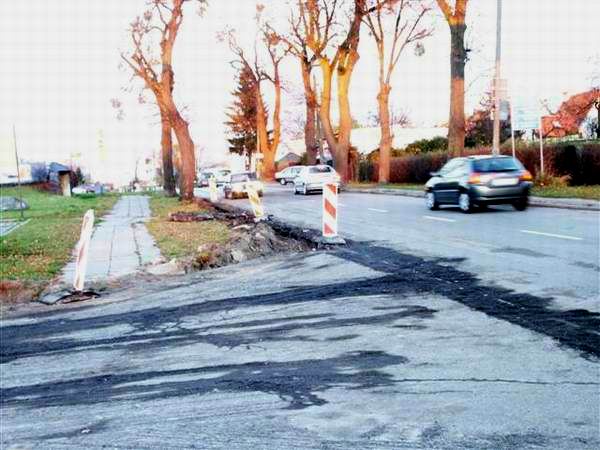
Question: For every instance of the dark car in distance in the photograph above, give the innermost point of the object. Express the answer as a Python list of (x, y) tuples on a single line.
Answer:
[(478, 181)]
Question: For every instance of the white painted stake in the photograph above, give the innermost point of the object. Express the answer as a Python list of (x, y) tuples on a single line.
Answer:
[(255, 202), (82, 250), (212, 190)]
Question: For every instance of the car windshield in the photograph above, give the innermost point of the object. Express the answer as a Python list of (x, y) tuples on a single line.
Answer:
[(319, 169), (496, 165), (241, 177)]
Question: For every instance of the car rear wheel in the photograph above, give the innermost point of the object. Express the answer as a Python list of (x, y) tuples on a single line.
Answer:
[(521, 205), (464, 203), (431, 201)]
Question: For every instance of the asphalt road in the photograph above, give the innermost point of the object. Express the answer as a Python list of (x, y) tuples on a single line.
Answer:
[(547, 252), (397, 340)]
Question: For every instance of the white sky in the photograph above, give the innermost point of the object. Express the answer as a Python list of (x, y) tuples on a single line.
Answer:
[(60, 68)]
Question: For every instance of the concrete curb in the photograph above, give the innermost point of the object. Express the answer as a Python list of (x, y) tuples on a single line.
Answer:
[(545, 202)]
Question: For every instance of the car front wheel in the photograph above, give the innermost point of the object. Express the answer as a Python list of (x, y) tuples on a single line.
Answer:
[(431, 201), (521, 204), (282, 182), (464, 203)]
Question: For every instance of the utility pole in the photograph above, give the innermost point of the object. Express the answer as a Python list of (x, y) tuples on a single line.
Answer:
[(496, 143), (18, 172), (597, 105)]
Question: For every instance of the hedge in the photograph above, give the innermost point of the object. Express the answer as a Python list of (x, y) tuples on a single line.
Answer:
[(581, 163)]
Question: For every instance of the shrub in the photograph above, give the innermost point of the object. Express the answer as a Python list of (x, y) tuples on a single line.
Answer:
[(563, 163), (367, 171), (552, 181), (416, 168), (427, 145), (590, 165)]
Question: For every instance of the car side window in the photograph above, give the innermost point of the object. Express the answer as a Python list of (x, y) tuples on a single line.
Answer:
[(450, 166)]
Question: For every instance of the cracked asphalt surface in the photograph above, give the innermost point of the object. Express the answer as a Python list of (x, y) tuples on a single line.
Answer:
[(365, 346)]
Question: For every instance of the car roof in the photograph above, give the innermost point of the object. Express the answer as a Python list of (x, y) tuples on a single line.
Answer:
[(487, 156)]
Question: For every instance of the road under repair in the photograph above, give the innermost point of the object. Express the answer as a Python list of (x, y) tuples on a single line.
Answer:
[(364, 347)]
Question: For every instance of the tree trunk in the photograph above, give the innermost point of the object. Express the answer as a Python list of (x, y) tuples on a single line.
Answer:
[(385, 144), (187, 152), (325, 109), (166, 142), (345, 127), (268, 162), (310, 130), (456, 125)]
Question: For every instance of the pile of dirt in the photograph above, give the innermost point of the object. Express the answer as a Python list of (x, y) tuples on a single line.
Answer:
[(14, 292), (248, 241)]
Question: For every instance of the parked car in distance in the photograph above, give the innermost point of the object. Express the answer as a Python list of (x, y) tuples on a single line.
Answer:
[(237, 185), (287, 175), (479, 181), (222, 176), (312, 178), (203, 178)]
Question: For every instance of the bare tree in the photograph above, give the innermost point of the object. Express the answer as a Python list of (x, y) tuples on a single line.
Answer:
[(321, 17), (301, 29), (406, 28), (268, 142), (458, 58), (163, 20)]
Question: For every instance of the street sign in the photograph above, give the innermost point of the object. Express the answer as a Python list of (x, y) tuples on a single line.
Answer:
[(501, 87), (504, 110), (526, 116)]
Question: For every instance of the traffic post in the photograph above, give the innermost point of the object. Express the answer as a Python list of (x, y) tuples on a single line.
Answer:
[(255, 202), (330, 206), (82, 250), (212, 190)]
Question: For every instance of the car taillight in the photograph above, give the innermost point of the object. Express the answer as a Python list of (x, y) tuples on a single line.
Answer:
[(474, 178), (526, 176)]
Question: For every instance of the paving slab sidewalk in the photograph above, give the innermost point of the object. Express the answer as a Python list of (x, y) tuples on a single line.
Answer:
[(548, 202), (121, 244)]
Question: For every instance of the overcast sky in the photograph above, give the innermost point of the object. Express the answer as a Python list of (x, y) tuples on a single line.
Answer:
[(60, 68)]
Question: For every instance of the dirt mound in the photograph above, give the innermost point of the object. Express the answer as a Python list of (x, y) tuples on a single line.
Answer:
[(247, 241)]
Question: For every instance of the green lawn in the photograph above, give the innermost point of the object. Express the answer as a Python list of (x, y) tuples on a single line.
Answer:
[(177, 239), (39, 249), (586, 192)]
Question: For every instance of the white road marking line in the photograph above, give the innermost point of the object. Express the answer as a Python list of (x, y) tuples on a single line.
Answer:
[(378, 210), (441, 219), (559, 236)]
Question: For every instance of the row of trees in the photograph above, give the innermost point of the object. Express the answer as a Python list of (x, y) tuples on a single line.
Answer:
[(323, 34)]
